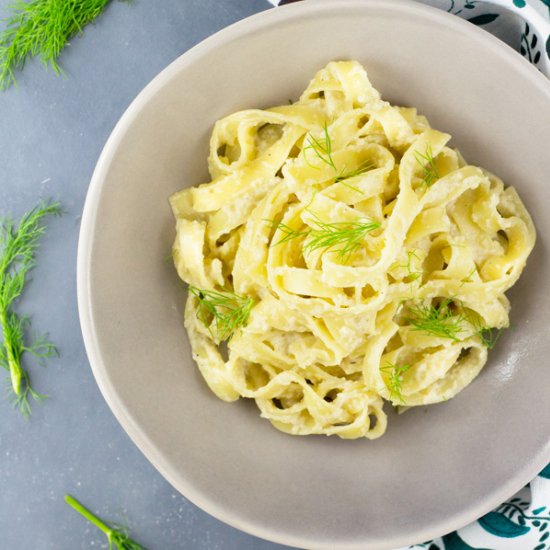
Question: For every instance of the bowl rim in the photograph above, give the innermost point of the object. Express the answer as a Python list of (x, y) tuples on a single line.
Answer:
[(525, 473)]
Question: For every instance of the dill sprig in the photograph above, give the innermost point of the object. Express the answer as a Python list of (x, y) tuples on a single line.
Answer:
[(412, 275), (17, 249), (288, 232), (468, 278), (427, 163), (227, 310), (343, 238), (117, 537), (489, 336), (41, 28), (395, 373), (438, 319), (322, 149), (365, 166)]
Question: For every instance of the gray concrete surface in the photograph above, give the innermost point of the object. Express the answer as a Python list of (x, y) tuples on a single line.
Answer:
[(52, 130)]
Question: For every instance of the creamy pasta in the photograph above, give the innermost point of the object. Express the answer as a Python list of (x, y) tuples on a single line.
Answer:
[(343, 255)]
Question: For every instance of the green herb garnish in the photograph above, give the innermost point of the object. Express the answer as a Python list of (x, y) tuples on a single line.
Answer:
[(412, 275), (489, 336), (438, 320), (322, 148), (17, 248), (117, 537), (427, 163), (344, 238), (288, 232), (227, 310), (468, 278), (41, 28), (395, 373), (361, 169)]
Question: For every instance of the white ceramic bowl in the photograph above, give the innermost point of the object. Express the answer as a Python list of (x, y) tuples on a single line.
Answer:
[(437, 468)]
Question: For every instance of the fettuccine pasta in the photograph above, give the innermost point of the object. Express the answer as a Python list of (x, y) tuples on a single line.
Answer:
[(343, 255)]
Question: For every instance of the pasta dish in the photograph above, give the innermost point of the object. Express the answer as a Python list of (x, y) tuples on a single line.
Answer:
[(341, 256)]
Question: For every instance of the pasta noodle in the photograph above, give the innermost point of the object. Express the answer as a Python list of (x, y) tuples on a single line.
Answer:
[(347, 255)]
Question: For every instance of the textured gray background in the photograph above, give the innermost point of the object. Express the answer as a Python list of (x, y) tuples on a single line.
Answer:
[(51, 133)]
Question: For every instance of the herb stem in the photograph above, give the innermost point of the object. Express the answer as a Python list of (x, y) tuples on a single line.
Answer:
[(117, 537), (14, 366), (83, 511)]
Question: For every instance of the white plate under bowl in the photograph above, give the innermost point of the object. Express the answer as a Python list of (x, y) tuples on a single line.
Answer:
[(436, 468)]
